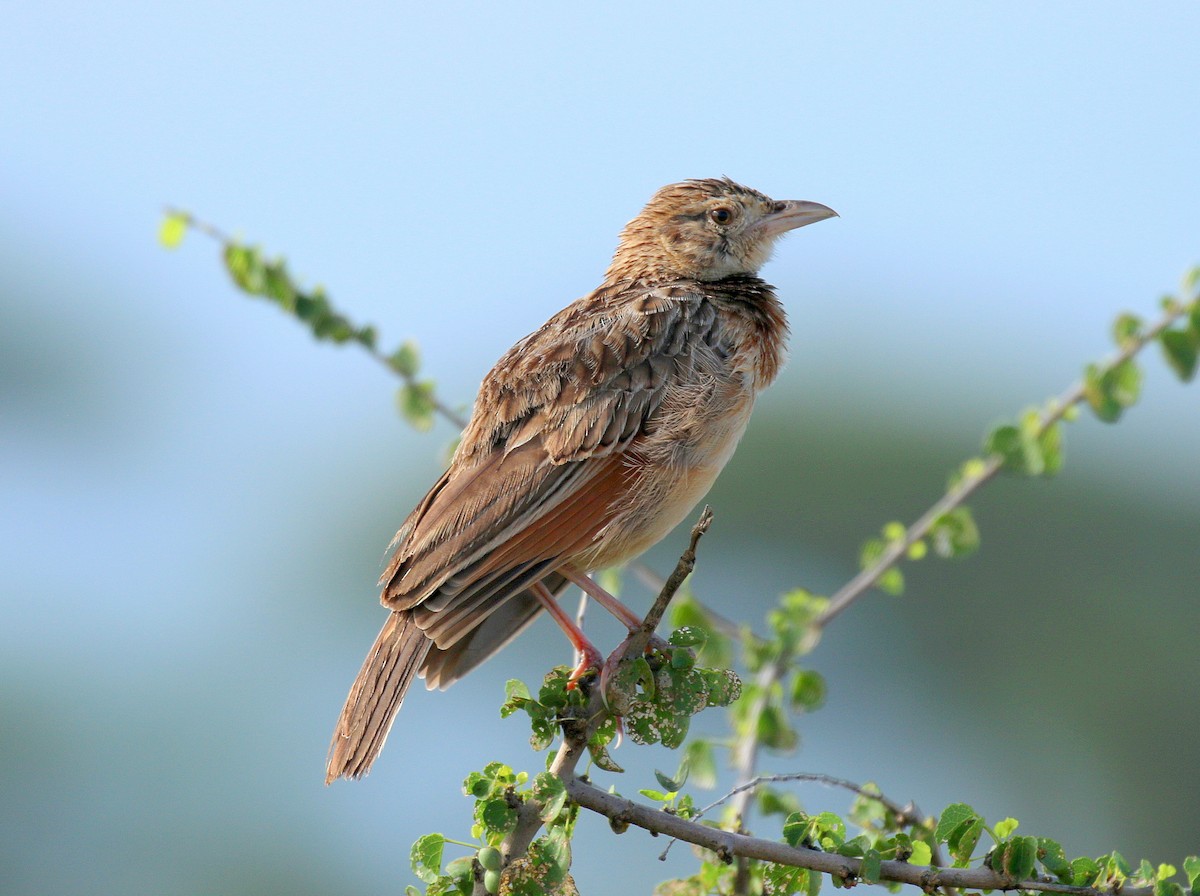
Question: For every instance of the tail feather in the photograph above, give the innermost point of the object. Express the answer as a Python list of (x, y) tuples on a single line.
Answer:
[(375, 697)]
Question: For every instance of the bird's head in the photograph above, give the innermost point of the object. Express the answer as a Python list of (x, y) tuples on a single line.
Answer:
[(707, 230)]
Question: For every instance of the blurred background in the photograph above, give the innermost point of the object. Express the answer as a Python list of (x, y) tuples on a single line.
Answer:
[(196, 497)]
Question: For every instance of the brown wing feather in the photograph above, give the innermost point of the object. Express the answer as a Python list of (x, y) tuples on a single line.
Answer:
[(583, 388)]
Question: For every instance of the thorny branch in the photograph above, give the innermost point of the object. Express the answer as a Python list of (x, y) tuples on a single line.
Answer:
[(861, 583), (443, 410)]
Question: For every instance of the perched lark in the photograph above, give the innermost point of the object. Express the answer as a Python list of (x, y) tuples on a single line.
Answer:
[(590, 440)]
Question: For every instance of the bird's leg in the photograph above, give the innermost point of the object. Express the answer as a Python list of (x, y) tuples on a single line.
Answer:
[(591, 589), (589, 656)]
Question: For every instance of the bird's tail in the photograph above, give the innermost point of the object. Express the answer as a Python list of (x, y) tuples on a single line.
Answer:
[(375, 697)]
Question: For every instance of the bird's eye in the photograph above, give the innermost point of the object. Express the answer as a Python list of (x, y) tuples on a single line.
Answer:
[(720, 215)]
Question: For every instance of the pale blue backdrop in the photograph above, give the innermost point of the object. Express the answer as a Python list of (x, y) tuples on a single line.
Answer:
[(194, 499)]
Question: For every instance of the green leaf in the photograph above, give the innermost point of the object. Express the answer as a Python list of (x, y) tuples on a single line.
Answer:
[(963, 839), (774, 731), (672, 785), (1050, 443), (516, 696), (688, 636), (954, 534), (415, 401), (172, 230), (1127, 329), (1110, 390), (657, 795), (891, 581), (952, 816), (1054, 859), (1019, 856), (406, 360), (921, 853), (551, 794), (872, 862), (497, 816), (1181, 347), (830, 830), (426, 857), (1191, 865), (1004, 829), (554, 853), (244, 265), (1084, 871), (796, 829), (807, 690)]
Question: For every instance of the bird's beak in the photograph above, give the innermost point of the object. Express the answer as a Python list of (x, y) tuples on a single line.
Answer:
[(793, 213)]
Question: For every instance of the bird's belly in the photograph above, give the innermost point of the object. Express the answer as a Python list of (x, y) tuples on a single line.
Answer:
[(670, 476)]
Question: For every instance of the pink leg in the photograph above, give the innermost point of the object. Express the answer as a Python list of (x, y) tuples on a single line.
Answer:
[(589, 656), (606, 600)]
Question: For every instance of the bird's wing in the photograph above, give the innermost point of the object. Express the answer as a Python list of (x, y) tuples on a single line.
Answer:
[(542, 465)]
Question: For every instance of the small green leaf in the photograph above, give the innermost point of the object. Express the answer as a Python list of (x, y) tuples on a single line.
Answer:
[(551, 794), (1127, 329), (921, 853), (172, 230), (807, 690), (954, 534), (963, 839), (406, 360), (918, 549), (774, 731), (795, 829), (1004, 829), (554, 851), (672, 785), (1050, 853), (1020, 853), (952, 816), (688, 636), (657, 795), (426, 857), (497, 816), (415, 401), (244, 264), (1110, 390), (872, 862), (1050, 443), (1019, 447), (1181, 347), (891, 582), (1191, 865)]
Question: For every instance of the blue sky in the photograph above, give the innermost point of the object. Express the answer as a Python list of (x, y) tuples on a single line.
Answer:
[(1009, 177)]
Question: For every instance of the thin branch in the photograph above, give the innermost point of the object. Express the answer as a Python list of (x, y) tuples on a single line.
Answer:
[(729, 845), (687, 562), (861, 583), (906, 816), (439, 407)]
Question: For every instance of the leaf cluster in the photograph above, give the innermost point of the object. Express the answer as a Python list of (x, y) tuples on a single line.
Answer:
[(499, 794)]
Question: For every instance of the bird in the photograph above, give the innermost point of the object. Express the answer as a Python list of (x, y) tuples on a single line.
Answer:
[(589, 441)]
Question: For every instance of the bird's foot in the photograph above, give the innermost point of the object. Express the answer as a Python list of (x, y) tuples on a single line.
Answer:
[(590, 660)]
